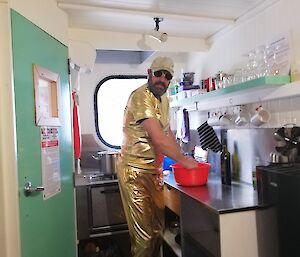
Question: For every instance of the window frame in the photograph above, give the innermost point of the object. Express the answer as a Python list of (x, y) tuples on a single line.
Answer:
[(96, 103)]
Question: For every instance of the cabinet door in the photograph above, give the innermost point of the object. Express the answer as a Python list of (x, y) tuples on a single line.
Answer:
[(200, 228), (47, 225), (239, 235), (82, 212), (172, 199)]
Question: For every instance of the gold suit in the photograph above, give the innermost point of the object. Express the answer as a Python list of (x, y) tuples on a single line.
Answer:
[(140, 175)]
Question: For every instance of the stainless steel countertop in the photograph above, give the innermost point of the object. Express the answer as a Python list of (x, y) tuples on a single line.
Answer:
[(217, 197)]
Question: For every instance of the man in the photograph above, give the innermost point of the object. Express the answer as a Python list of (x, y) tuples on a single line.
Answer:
[(147, 138)]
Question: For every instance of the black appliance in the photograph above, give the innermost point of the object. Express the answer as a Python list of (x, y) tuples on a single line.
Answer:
[(278, 188), (99, 208)]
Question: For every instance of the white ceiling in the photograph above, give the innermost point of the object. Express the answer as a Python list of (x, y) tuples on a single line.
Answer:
[(182, 18)]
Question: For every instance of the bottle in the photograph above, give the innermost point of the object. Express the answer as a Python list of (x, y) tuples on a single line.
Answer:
[(225, 166), (235, 164)]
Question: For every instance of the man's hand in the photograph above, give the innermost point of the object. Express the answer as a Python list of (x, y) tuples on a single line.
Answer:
[(188, 162), (166, 144)]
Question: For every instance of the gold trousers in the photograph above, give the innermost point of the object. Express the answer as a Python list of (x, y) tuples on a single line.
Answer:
[(143, 202)]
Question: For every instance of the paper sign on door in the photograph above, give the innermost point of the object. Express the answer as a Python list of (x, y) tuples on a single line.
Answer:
[(50, 161)]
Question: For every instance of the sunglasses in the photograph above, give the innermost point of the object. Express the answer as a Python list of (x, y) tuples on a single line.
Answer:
[(159, 73)]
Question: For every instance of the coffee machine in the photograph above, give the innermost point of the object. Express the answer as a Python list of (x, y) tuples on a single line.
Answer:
[(278, 190)]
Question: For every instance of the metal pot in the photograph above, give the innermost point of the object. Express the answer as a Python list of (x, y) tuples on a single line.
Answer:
[(107, 162)]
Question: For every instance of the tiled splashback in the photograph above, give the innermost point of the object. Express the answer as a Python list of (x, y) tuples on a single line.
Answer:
[(250, 145), (285, 111), (282, 111), (247, 144)]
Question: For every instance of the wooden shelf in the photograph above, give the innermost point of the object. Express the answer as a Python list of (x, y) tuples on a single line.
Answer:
[(244, 93), (169, 238)]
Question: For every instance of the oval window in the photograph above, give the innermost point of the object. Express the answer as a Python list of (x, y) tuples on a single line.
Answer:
[(110, 100)]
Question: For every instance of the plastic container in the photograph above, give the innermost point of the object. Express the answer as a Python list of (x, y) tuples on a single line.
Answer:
[(187, 86), (167, 163), (191, 177), (188, 76), (192, 92), (172, 89)]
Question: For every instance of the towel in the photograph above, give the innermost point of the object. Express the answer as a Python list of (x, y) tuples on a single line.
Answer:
[(183, 126), (208, 138)]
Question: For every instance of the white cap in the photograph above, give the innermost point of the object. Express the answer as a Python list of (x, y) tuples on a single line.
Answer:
[(163, 63)]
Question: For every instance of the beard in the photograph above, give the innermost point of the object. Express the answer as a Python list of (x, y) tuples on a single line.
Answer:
[(158, 88)]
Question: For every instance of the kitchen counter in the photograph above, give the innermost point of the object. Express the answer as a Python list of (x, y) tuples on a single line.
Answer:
[(217, 197)]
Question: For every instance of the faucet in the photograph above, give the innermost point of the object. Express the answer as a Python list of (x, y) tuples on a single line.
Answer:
[(78, 168)]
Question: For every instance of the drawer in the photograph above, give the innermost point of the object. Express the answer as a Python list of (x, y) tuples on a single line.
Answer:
[(172, 199)]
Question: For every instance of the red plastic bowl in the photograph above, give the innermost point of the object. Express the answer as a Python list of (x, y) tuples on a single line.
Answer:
[(191, 177)]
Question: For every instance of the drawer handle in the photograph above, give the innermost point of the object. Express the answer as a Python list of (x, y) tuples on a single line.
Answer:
[(110, 191)]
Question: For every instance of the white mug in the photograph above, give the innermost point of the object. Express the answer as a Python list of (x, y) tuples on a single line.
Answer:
[(214, 120), (224, 120), (241, 120), (260, 117), (219, 120)]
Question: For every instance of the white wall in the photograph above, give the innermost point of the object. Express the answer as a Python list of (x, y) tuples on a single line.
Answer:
[(9, 219), (226, 52), (132, 41), (88, 83), (83, 44), (46, 15), (195, 64)]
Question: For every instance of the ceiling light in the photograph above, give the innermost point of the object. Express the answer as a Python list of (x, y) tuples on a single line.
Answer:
[(156, 34)]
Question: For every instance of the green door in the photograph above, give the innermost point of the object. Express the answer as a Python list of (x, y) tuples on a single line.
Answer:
[(47, 226)]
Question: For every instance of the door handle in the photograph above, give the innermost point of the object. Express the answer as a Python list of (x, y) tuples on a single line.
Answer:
[(110, 191), (29, 189)]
